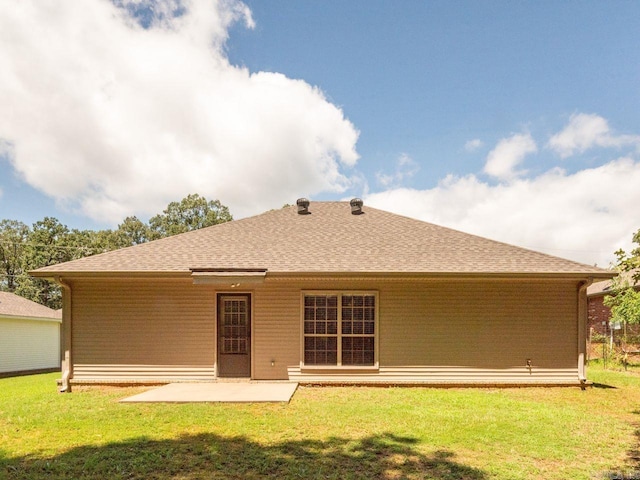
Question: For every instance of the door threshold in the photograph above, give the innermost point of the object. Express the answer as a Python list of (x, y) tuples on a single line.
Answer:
[(233, 379)]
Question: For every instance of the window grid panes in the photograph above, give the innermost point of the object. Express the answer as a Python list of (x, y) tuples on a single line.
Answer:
[(235, 324), (339, 329)]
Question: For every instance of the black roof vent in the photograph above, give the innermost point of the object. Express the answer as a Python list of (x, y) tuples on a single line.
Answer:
[(356, 206), (303, 206)]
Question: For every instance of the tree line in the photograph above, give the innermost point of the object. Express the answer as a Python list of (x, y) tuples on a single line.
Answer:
[(24, 248)]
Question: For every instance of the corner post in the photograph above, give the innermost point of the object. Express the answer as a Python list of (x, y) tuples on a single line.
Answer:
[(67, 362), (582, 330)]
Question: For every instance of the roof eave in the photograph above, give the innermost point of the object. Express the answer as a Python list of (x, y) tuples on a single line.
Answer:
[(54, 275), (593, 275), (449, 275), (30, 318)]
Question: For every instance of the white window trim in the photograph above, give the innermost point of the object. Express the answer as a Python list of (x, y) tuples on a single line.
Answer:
[(376, 335)]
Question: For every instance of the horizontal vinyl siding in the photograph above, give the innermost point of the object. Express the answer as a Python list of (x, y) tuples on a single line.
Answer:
[(277, 324), (488, 325), (142, 326), (443, 376), (456, 332), (276, 332), (120, 373), (29, 345), (429, 331)]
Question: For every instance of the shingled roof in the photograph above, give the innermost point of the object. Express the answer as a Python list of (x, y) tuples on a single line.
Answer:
[(608, 286), (330, 239), (12, 305)]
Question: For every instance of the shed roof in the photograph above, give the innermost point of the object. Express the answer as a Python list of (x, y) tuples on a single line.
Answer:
[(330, 239), (12, 305)]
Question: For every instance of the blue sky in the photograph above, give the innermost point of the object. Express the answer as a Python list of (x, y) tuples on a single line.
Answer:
[(517, 121), (422, 78)]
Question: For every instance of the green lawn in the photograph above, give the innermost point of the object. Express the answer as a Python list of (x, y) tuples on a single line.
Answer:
[(342, 432)]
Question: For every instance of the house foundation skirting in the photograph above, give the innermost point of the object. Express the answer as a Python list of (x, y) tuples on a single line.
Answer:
[(443, 376), (422, 376), (140, 374)]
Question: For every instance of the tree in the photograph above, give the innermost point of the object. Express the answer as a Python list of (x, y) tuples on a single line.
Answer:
[(48, 242), (13, 236), (625, 300), (131, 231), (631, 262), (191, 213), (625, 306)]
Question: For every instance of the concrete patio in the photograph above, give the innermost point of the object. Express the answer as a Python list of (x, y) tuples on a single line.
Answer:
[(241, 392)]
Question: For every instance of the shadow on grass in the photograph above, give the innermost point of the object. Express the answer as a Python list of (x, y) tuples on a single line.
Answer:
[(604, 386), (211, 456), (631, 469)]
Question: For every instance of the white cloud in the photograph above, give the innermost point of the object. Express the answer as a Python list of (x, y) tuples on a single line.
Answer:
[(406, 168), (112, 119), (584, 216), (585, 131), (507, 155), (473, 145)]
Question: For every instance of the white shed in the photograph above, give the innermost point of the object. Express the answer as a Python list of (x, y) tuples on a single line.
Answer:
[(29, 336)]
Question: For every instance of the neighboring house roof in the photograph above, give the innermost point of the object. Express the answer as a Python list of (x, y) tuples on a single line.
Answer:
[(12, 305), (330, 239), (606, 286)]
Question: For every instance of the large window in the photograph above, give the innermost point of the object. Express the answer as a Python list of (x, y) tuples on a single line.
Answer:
[(339, 329)]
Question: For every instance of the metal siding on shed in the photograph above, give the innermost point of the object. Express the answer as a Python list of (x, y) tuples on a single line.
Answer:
[(29, 344)]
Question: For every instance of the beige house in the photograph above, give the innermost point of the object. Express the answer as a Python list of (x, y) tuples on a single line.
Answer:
[(29, 336), (327, 292)]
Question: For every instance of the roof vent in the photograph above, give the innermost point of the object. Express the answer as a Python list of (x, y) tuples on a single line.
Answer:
[(356, 206), (303, 206)]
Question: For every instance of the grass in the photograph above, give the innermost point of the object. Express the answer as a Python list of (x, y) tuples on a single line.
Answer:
[(341, 433)]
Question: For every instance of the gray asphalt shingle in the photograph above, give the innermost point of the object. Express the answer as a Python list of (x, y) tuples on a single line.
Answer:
[(331, 240), (16, 306)]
